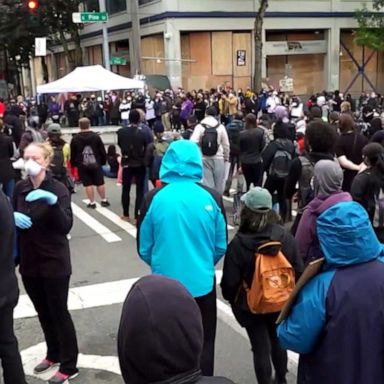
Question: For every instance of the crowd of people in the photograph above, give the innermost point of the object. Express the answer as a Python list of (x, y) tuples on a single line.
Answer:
[(322, 159)]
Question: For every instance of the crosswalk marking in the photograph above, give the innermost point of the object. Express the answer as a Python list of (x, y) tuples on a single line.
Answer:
[(115, 292), (108, 214), (96, 226)]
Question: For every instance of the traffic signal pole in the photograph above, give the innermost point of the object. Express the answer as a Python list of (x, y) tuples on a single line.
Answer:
[(107, 63)]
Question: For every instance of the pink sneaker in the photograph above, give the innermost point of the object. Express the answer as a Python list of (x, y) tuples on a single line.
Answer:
[(45, 366), (61, 378)]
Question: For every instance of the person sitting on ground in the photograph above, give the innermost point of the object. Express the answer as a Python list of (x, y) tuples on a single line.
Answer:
[(111, 169), (368, 187), (337, 320), (327, 182), (161, 337)]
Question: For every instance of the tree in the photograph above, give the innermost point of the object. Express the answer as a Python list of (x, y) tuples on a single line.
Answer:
[(371, 26), (52, 19), (259, 24)]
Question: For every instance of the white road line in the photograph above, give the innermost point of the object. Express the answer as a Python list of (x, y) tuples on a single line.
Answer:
[(99, 228), (108, 214)]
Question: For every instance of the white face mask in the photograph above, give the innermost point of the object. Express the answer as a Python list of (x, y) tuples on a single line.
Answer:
[(32, 168)]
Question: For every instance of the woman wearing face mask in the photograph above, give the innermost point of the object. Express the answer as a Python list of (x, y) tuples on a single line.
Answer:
[(43, 218)]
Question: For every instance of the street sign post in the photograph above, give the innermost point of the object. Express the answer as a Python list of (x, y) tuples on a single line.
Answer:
[(118, 61), (90, 17)]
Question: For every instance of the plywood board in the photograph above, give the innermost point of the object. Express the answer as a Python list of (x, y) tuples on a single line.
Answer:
[(185, 54), (200, 51), (222, 63), (242, 41), (153, 46), (242, 82)]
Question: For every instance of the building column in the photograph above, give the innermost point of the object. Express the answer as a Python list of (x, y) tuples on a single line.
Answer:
[(172, 50), (264, 56), (332, 60)]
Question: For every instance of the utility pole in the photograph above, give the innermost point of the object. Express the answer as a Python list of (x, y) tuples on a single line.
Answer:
[(107, 63), (136, 39)]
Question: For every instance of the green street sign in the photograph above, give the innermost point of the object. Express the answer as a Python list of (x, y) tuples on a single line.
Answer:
[(94, 17), (118, 61)]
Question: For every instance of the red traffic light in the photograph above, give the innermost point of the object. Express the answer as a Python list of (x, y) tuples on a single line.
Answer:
[(32, 4)]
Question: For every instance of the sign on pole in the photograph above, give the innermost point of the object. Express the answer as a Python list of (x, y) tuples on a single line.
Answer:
[(40, 46), (89, 17), (118, 61)]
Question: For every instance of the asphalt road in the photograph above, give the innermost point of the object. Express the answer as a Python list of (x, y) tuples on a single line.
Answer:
[(105, 264)]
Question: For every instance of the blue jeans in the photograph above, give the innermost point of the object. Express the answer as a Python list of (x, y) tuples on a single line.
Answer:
[(107, 172), (8, 188)]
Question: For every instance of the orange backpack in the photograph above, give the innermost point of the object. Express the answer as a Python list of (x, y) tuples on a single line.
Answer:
[(272, 283)]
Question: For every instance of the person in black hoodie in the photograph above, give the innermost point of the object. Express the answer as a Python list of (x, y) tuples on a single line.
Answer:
[(133, 142), (320, 143), (368, 187), (259, 224), (234, 128), (13, 372), (277, 159), (44, 218), (160, 337), (88, 155), (252, 143)]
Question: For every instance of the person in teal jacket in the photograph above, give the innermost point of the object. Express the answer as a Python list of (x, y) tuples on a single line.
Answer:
[(182, 234), (337, 322)]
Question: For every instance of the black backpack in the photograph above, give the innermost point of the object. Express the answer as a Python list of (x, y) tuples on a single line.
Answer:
[(281, 161), (136, 149), (57, 165), (209, 141)]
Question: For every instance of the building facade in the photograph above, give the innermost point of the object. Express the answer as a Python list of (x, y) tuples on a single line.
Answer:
[(203, 43)]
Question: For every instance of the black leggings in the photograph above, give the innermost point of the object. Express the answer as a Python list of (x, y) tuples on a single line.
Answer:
[(252, 174), (265, 345), (49, 297), (13, 372), (208, 309), (274, 184), (128, 174)]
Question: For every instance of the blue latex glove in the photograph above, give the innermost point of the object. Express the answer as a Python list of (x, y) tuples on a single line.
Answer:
[(22, 221), (40, 194)]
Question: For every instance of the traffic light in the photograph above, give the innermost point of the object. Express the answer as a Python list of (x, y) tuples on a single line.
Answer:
[(32, 5)]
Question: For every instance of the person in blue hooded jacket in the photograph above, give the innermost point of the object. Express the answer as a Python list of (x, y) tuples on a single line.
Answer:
[(337, 322), (182, 234)]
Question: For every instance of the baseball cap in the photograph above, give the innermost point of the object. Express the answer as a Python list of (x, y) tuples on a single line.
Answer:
[(257, 199), (54, 128)]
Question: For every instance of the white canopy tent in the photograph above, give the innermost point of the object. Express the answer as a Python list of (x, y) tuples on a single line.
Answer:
[(90, 79)]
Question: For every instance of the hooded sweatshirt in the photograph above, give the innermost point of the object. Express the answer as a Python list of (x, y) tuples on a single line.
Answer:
[(83, 139), (160, 337), (182, 227), (239, 265), (337, 321), (222, 137), (328, 180)]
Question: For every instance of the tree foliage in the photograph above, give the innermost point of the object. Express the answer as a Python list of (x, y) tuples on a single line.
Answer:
[(52, 19), (371, 26)]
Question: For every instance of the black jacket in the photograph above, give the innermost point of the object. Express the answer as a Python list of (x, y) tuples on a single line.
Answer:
[(366, 186), (133, 143), (6, 153), (13, 124), (278, 144), (94, 141), (9, 291), (234, 128), (239, 266), (252, 143), (160, 337), (44, 248), (295, 171)]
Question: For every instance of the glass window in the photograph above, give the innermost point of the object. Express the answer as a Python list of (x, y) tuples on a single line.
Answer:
[(116, 6), (143, 2), (91, 5)]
